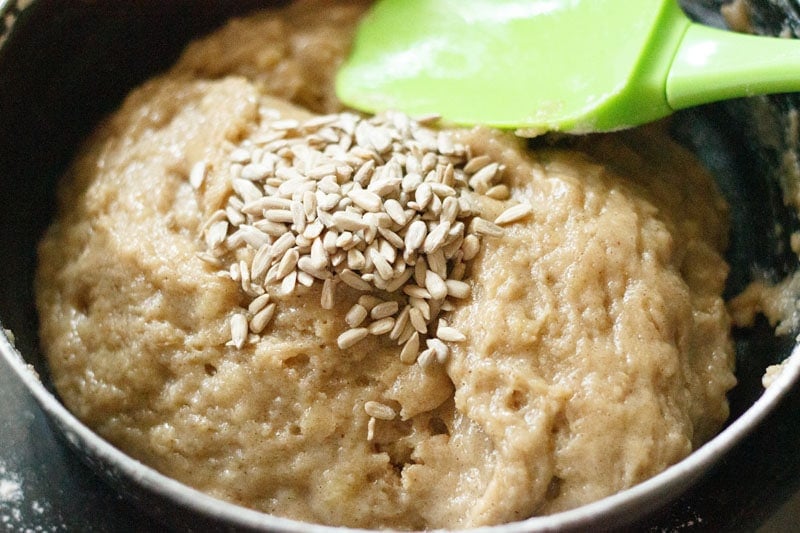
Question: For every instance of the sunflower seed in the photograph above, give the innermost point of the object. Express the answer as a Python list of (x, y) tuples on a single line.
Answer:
[(287, 264), (499, 192), (406, 334), (395, 284), (471, 246), (354, 280), (356, 315), (443, 191), (435, 239), (438, 263), (298, 217), (239, 329), (246, 190), (422, 306), (416, 234), (477, 163), (307, 280), (197, 175), (417, 320), (258, 303), (400, 323), (428, 119), (415, 291), (379, 411), (328, 294), (449, 210), (423, 195), (426, 358), (364, 173), (383, 267), (351, 337), (240, 155), (355, 259), (262, 318), (457, 289), (388, 251), (329, 241), (484, 227), (366, 200), (411, 182), (514, 214), (288, 283), (449, 175), (369, 301), (384, 309), (420, 271), (393, 239), (264, 203), (452, 247), (435, 285), (482, 179), (209, 259), (439, 348), (273, 229), (450, 334), (408, 355), (395, 210), (385, 187), (234, 272), (279, 215), (445, 143), (318, 172), (253, 236), (286, 124), (244, 274), (255, 171), (345, 220), (216, 233), (382, 326)]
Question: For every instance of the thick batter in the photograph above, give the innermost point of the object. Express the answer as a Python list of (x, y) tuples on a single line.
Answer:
[(596, 347)]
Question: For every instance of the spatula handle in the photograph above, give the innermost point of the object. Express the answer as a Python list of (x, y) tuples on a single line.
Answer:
[(713, 64)]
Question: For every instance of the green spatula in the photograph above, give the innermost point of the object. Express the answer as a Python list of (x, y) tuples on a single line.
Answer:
[(554, 65)]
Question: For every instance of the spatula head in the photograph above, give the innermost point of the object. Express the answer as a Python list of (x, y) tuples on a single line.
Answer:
[(568, 65)]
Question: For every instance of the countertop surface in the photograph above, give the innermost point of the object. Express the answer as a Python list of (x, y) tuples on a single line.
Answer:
[(44, 487)]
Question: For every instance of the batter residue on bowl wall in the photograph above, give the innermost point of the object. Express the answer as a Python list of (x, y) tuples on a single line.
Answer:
[(596, 346)]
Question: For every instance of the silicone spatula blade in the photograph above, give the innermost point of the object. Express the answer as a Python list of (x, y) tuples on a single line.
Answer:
[(553, 65)]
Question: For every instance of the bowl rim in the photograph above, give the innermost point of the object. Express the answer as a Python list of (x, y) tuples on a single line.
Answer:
[(630, 503), (625, 505)]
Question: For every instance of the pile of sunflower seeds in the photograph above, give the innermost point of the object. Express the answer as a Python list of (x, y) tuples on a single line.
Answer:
[(385, 205)]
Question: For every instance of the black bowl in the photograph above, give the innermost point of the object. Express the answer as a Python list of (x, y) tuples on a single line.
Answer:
[(66, 64)]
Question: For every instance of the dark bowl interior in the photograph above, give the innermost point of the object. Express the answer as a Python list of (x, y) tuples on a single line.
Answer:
[(67, 64)]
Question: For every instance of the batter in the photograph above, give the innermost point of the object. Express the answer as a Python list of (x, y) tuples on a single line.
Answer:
[(595, 348)]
